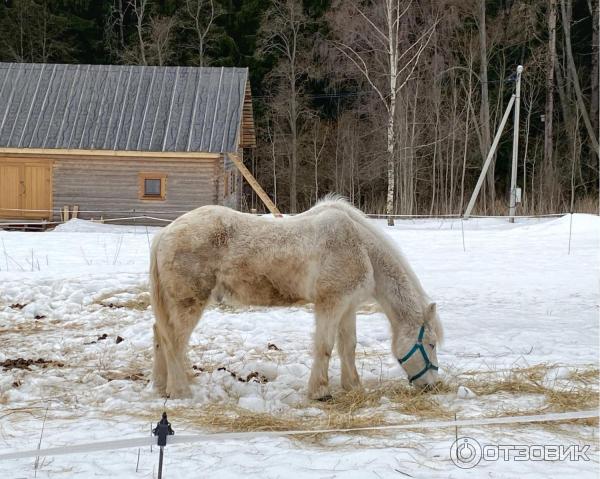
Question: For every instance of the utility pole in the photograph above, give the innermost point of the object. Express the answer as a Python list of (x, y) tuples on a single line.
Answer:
[(515, 152), (488, 160), (514, 101)]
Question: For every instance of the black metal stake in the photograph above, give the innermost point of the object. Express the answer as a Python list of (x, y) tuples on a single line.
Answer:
[(162, 430), (160, 462)]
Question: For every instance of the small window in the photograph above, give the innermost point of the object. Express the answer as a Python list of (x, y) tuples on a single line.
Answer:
[(152, 186)]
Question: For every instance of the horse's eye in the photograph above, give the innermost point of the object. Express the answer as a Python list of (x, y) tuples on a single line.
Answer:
[(432, 346)]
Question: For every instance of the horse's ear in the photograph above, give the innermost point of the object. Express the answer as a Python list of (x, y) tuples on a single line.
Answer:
[(431, 312)]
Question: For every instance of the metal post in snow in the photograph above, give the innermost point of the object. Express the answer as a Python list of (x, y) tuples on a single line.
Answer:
[(515, 151), (162, 430), (160, 461)]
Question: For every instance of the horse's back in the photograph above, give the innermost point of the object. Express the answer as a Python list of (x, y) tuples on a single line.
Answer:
[(263, 261)]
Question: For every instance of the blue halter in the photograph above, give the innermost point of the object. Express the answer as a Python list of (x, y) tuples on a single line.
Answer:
[(419, 347)]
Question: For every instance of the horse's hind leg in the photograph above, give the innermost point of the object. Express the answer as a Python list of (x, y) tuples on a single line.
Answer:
[(159, 371), (183, 318), (327, 319), (346, 347)]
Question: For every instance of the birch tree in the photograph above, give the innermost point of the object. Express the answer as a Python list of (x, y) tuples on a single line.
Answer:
[(371, 37)]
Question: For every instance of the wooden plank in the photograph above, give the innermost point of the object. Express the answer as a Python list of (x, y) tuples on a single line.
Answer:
[(65, 213), (247, 133), (103, 186), (75, 211), (10, 190), (254, 184), (37, 191), (26, 189), (111, 153)]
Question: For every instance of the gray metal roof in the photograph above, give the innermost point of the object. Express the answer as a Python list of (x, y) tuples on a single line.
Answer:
[(118, 107)]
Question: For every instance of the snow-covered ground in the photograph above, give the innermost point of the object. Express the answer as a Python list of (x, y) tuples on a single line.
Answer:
[(510, 297)]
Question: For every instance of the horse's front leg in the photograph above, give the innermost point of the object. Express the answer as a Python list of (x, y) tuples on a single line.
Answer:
[(327, 320)]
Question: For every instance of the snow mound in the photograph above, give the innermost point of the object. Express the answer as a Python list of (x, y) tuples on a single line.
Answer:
[(77, 225), (465, 393)]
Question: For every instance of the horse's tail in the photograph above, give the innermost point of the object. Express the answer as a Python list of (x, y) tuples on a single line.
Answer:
[(156, 296)]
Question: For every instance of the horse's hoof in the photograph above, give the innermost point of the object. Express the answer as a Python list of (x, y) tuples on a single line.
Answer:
[(326, 398), (355, 387)]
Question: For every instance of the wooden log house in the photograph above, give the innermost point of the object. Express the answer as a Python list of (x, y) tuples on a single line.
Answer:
[(115, 140)]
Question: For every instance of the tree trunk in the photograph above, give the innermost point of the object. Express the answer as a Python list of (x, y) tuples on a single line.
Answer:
[(121, 24), (294, 152), (575, 77), (465, 151), (389, 208), (549, 113), (485, 105), (140, 28), (595, 53), (391, 139)]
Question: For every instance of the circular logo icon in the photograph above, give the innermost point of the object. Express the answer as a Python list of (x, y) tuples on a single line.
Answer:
[(465, 452)]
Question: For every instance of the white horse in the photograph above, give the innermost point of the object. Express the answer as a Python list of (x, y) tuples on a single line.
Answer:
[(331, 255)]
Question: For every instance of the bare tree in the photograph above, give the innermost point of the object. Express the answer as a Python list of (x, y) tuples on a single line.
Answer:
[(551, 65), (283, 34), (373, 40), (595, 12), (139, 10), (200, 16), (160, 47), (319, 139), (153, 45), (566, 23), (484, 110), (114, 29), (32, 33)]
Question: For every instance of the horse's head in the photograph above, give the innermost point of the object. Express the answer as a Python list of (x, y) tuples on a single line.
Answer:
[(415, 344)]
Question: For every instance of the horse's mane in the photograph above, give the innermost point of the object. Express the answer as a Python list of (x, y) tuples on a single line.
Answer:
[(340, 203)]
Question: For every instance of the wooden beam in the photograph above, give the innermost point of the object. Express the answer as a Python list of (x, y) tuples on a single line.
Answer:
[(78, 152), (247, 134), (254, 184)]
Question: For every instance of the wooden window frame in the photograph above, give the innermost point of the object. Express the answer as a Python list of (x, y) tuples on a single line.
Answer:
[(152, 175)]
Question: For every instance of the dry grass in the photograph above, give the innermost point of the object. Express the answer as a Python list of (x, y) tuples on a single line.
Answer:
[(401, 398), (369, 407), (588, 375), (577, 392), (140, 302), (231, 418)]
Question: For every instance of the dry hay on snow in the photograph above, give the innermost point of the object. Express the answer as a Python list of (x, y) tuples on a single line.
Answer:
[(380, 403)]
